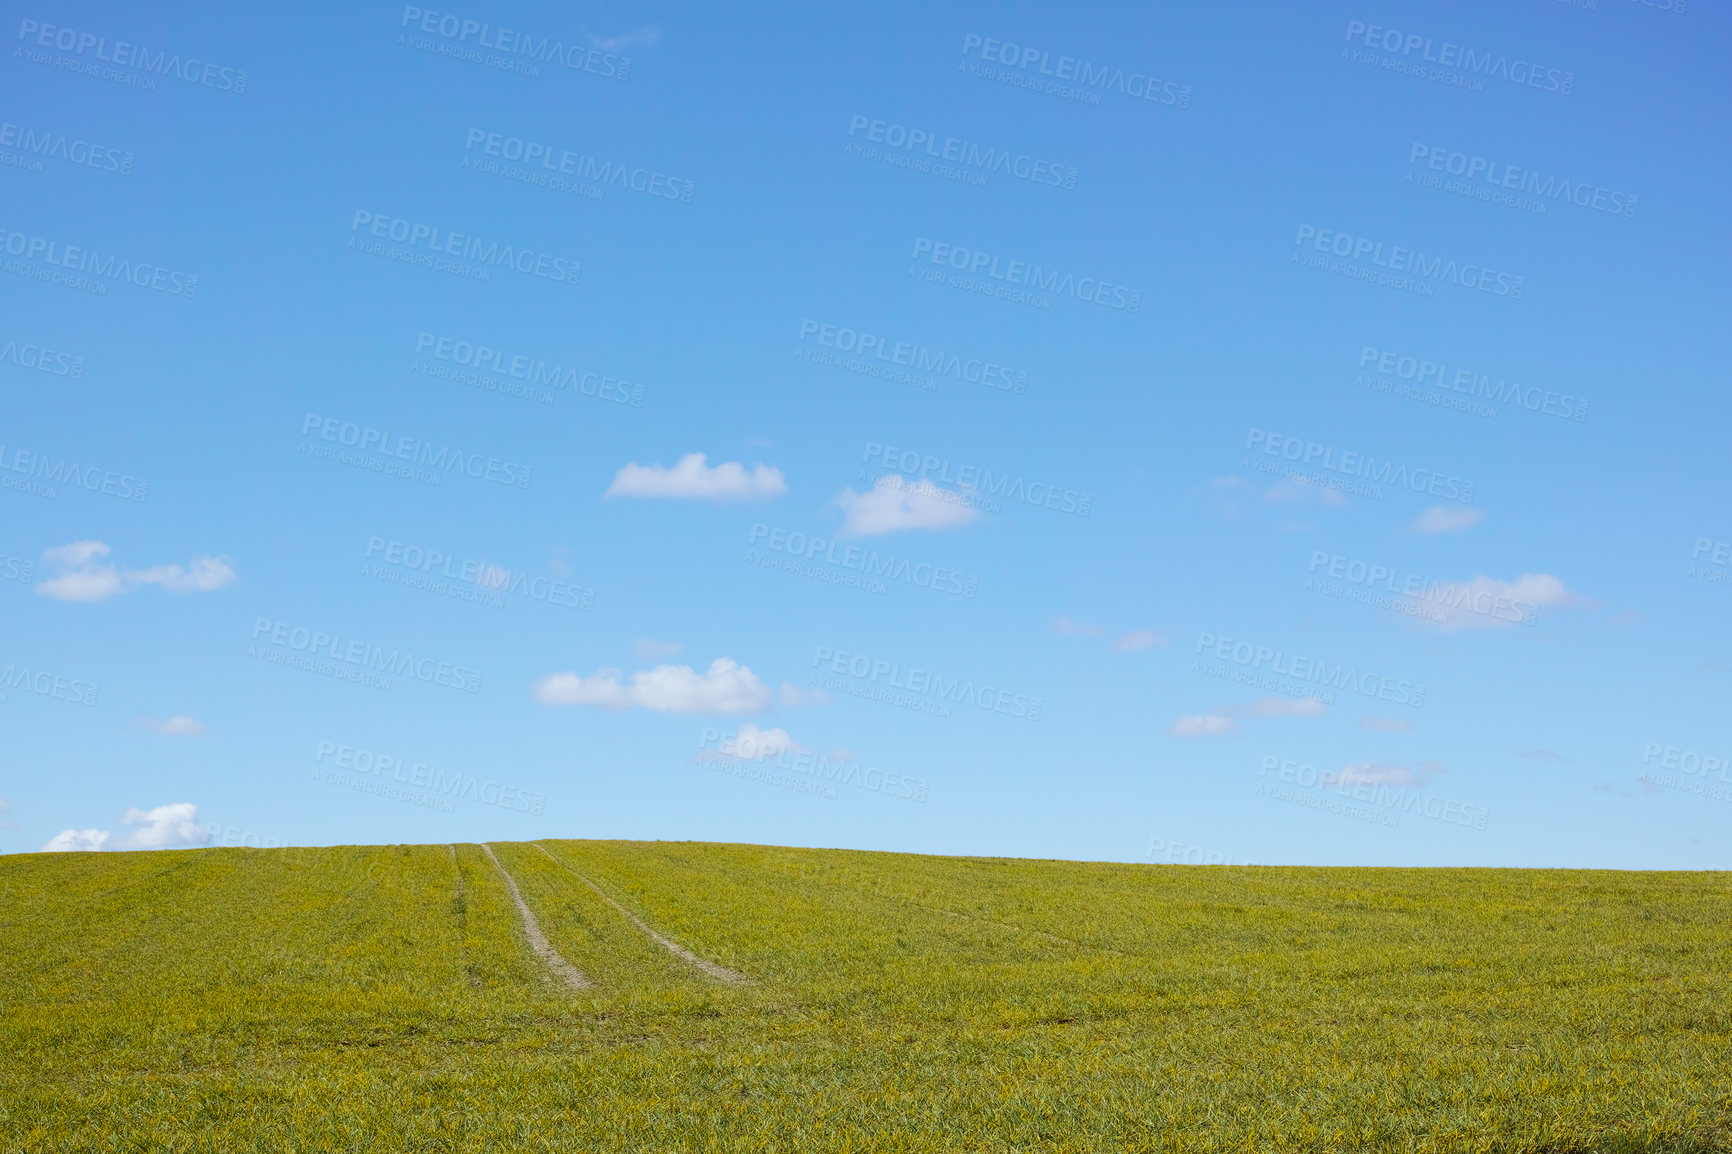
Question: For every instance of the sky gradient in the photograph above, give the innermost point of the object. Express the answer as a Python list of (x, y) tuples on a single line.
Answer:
[(1215, 434)]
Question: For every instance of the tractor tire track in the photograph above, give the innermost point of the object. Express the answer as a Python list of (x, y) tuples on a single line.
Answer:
[(566, 972), (715, 970)]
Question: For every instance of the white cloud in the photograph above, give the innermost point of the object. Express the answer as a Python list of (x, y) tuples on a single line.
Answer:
[(893, 505), (171, 826), (1138, 639), (1220, 720), (78, 841), (1384, 724), (165, 827), (647, 650), (1387, 773), (203, 575), (1230, 493), (728, 481), (180, 725), (1065, 627), (1203, 725), (84, 575), (1442, 519), (795, 697), (753, 744), (728, 687), (1486, 603)]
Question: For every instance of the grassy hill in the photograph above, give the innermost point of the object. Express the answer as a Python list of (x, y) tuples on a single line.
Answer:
[(388, 998)]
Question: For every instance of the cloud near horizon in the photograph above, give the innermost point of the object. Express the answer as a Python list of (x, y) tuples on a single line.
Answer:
[(172, 826)]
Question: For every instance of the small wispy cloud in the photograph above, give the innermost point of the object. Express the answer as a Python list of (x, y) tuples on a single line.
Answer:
[(749, 743), (894, 505), (1139, 639), (796, 697), (1488, 603), (1222, 720), (727, 688), (1203, 725), (1388, 773), (692, 479), (1442, 519), (647, 36), (1065, 627), (1384, 724), (180, 725), (82, 573)]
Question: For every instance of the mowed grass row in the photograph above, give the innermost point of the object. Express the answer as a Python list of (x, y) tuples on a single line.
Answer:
[(361, 998)]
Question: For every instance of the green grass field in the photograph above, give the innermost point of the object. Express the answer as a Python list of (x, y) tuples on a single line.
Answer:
[(387, 998)]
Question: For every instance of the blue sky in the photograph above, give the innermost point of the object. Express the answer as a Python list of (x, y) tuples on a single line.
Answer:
[(1242, 434)]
